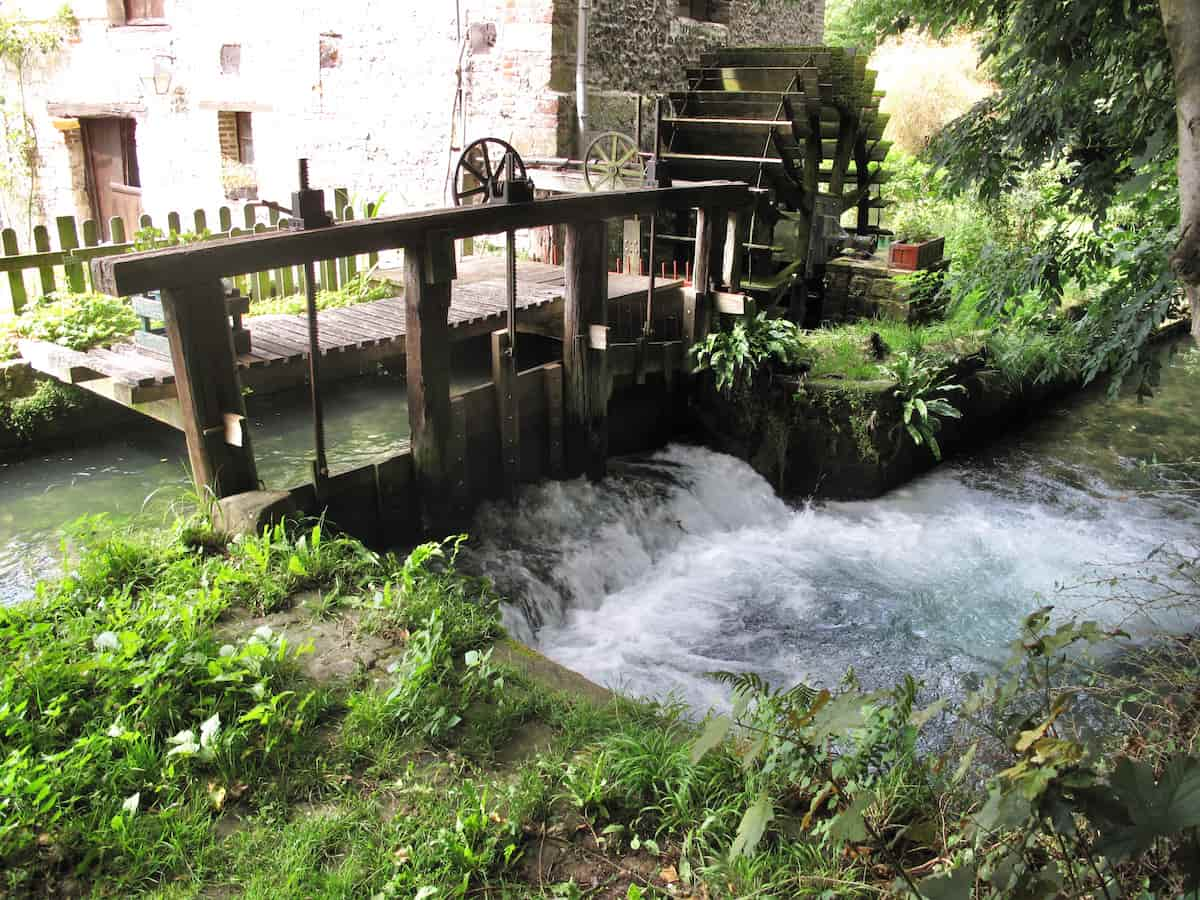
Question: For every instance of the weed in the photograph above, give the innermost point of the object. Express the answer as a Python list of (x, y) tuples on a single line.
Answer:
[(917, 381), (78, 321), (735, 356)]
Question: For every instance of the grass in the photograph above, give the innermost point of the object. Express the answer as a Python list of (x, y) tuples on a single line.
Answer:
[(158, 735), (846, 351)]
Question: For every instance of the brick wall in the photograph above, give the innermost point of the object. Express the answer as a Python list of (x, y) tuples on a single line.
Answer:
[(365, 88)]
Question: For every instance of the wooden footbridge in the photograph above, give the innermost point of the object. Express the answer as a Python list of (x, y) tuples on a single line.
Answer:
[(352, 339), (553, 420)]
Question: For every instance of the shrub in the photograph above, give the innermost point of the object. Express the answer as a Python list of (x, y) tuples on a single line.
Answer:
[(736, 355), (78, 321)]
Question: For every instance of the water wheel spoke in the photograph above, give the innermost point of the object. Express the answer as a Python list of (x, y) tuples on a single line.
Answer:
[(627, 157), (487, 161), (472, 192), (479, 176)]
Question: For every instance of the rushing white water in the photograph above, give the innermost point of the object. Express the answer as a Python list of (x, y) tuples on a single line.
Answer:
[(687, 563)]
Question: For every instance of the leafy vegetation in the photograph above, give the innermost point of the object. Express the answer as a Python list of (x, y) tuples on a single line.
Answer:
[(26, 416), (921, 411), (362, 288), (159, 733), (736, 355), (78, 321)]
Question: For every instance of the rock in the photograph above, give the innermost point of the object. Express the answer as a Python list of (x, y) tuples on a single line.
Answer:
[(252, 511), (17, 379)]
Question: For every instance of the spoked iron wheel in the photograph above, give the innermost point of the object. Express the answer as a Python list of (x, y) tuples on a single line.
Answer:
[(612, 163), (480, 175)]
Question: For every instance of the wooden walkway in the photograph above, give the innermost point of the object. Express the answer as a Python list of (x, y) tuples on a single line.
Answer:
[(353, 339)]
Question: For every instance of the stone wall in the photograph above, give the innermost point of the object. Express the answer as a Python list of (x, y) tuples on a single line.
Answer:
[(645, 46)]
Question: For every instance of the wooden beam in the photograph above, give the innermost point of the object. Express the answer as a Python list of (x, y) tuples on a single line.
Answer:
[(504, 376), (695, 303), (585, 371), (427, 281), (731, 266), (136, 273), (554, 420), (209, 390)]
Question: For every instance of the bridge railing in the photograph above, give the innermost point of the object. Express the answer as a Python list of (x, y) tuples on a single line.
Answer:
[(428, 485)]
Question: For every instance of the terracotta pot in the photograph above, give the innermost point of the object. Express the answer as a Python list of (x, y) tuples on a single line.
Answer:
[(911, 257)]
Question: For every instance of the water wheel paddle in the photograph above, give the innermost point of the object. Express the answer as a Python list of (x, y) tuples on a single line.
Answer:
[(612, 163), (480, 174)]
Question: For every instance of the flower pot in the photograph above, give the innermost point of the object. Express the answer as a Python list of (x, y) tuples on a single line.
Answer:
[(911, 257)]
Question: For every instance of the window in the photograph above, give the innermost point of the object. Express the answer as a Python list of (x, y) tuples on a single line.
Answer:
[(138, 12), (704, 10), (235, 132)]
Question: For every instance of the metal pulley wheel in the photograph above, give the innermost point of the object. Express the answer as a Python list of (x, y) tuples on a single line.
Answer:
[(481, 172), (612, 163)]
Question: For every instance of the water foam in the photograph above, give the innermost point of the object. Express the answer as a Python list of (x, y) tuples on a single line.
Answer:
[(686, 563)]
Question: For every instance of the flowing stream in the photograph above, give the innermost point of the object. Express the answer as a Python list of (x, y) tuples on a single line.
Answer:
[(685, 562)]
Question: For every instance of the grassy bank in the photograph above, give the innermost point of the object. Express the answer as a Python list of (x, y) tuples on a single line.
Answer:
[(294, 715)]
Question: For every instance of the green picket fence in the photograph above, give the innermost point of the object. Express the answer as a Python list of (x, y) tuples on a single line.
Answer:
[(27, 275)]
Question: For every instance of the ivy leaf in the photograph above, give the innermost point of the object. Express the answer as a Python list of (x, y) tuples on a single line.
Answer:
[(752, 828), (1003, 810), (714, 732)]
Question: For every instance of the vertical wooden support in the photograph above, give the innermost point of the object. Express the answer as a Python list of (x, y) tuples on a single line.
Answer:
[(696, 304), (225, 219), (200, 218), (585, 371), (504, 377), (554, 421), (91, 238), (210, 392), (262, 280), (116, 230), (460, 490), (175, 224), (16, 278), (41, 244), (428, 274), (68, 239), (731, 266), (350, 261), (631, 244)]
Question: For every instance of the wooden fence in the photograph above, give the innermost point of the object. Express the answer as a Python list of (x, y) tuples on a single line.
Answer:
[(34, 274)]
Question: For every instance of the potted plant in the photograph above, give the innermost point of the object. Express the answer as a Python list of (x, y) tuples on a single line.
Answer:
[(916, 245)]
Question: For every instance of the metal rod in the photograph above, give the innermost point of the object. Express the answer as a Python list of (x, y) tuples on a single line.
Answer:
[(648, 330), (321, 467), (510, 251)]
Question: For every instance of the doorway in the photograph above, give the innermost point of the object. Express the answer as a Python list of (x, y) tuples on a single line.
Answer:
[(113, 181)]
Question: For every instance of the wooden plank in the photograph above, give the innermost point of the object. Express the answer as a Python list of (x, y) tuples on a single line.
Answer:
[(68, 239), (554, 420), (41, 243), (174, 223), (695, 302), (91, 238), (731, 266), (585, 376), (116, 228), (210, 393), (16, 278), (68, 366), (427, 281), (200, 218), (460, 490), (139, 272), (224, 219), (504, 377), (262, 278), (350, 262)]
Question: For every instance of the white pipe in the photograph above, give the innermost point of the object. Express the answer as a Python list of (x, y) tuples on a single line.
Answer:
[(581, 101)]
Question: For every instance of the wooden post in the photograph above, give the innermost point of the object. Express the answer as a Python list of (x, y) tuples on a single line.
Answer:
[(554, 421), (16, 278), (210, 392), (68, 239), (428, 273), (585, 371), (731, 267), (504, 377), (696, 304), (631, 244)]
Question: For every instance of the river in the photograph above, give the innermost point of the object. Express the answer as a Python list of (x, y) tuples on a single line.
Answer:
[(685, 562)]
